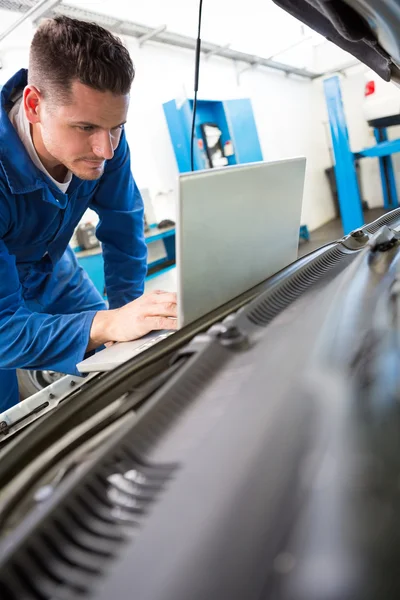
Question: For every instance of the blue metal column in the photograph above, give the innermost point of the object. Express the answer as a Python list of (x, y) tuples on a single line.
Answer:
[(346, 178), (390, 199)]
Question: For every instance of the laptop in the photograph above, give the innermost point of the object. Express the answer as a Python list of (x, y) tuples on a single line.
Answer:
[(236, 226)]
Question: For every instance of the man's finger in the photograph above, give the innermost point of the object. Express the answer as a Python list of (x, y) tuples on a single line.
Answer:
[(168, 309), (164, 298), (157, 323)]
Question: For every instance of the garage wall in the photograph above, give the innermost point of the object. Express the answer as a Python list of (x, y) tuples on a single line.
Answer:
[(283, 108), (287, 113), (14, 50)]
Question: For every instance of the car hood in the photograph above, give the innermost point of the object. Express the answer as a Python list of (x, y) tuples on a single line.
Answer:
[(367, 29)]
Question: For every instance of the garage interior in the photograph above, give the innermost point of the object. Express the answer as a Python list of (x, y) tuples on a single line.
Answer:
[(287, 100), (89, 454)]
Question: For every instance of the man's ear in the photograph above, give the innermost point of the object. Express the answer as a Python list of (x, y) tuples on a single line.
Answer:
[(32, 99)]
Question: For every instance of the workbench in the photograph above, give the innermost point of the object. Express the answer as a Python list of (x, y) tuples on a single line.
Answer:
[(92, 260)]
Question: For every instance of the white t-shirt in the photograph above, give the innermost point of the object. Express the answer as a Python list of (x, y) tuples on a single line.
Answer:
[(18, 118)]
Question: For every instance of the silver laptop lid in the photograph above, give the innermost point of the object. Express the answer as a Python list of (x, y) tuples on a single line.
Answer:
[(236, 226)]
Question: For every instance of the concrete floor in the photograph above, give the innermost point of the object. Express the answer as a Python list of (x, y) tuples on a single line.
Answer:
[(333, 231)]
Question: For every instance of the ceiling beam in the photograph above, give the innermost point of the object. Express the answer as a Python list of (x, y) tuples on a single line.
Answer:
[(52, 8), (136, 30), (217, 51), (34, 13), (151, 35)]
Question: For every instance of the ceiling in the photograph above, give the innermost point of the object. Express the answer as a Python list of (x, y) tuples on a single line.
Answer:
[(258, 29)]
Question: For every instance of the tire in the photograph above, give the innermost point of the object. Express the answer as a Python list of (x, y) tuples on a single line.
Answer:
[(30, 382)]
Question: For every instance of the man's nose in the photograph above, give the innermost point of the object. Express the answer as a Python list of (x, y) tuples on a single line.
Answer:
[(103, 146)]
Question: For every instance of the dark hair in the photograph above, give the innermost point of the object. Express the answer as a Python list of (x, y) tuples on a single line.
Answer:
[(64, 50)]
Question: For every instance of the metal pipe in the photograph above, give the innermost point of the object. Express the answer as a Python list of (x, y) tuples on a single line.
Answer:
[(130, 28), (217, 51), (152, 34), (35, 12)]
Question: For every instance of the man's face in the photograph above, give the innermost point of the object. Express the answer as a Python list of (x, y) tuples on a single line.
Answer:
[(80, 134)]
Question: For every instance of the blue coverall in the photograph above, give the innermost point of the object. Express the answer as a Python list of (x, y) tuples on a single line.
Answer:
[(47, 302)]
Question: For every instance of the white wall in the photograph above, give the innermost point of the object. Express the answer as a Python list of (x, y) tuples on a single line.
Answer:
[(287, 113), (283, 108), (14, 50)]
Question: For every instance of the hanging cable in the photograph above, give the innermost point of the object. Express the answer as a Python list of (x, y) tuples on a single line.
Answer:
[(196, 86)]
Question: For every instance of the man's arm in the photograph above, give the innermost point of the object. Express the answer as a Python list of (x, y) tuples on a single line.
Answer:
[(119, 205), (33, 340), (30, 340)]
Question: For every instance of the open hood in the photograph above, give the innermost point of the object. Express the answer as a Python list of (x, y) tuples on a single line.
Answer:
[(367, 29)]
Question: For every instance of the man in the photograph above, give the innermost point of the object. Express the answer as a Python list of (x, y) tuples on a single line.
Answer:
[(62, 150)]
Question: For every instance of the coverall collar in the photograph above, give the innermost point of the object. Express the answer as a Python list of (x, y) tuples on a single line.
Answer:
[(21, 174)]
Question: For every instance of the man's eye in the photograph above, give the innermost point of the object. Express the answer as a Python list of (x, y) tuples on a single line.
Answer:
[(92, 128)]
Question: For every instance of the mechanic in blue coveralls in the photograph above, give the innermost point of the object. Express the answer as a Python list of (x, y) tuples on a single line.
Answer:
[(63, 149)]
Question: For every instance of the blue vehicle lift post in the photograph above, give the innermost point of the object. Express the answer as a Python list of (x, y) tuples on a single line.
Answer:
[(389, 190), (345, 172)]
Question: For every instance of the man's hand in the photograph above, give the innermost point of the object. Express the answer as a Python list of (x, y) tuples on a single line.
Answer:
[(150, 312)]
